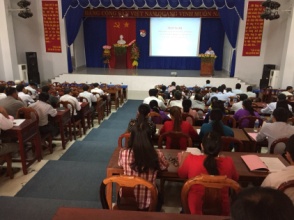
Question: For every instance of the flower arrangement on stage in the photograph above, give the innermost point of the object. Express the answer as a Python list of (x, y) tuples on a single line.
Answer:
[(207, 57), (106, 54), (135, 54)]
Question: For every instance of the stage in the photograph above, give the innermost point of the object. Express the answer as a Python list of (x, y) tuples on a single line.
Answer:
[(139, 81)]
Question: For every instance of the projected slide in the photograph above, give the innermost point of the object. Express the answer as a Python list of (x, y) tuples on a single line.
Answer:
[(174, 37)]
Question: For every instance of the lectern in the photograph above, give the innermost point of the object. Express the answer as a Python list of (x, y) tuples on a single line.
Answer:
[(120, 53), (207, 64)]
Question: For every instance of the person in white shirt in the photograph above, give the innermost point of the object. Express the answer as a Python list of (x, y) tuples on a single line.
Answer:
[(178, 99), (153, 96), (275, 179), (220, 95), (210, 51), (278, 129), (229, 93), (171, 87), (213, 91), (6, 122), (2, 92), (97, 89), (272, 106), (32, 88), (289, 91), (27, 99), (67, 97), (237, 89), (239, 105), (249, 92), (89, 96), (207, 84), (44, 109)]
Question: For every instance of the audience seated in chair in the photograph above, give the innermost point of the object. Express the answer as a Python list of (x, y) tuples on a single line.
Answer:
[(239, 105), (11, 103), (141, 159), (273, 105), (278, 129), (177, 124), (177, 101), (256, 203), (53, 99), (155, 108), (26, 99), (187, 104), (209, 163), (246, 111), (68, 97), (153, 96)]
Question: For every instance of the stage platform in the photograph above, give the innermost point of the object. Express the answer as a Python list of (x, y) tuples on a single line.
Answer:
[(139, 81)]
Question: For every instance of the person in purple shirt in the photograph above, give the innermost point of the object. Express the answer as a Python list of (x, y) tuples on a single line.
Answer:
[(247, 110), (154, 107)]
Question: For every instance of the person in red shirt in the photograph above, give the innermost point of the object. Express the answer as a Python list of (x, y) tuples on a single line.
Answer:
[(177, 124), (209, 163)]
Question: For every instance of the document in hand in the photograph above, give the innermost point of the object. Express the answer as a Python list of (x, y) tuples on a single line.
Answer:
[(263, 164)]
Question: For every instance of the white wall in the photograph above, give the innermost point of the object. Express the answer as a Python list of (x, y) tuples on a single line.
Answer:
[(29, 36), (79, 49), (227, 54)]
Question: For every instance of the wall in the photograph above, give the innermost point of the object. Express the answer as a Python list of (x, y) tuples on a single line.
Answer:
[(29, 37), (227, 53)]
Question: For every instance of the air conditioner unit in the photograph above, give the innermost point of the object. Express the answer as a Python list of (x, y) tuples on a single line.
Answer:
[(274, 79), (23, 72)]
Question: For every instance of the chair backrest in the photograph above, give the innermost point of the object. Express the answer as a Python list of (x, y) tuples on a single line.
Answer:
[(278, 143), (67, 105), (229, 143), (175, 136), (124, 137), (212, 199), (83, 99), (27, 113), (155, 117), (229, 121), (250, 121), (130, 182), (189, 118), (284, 186)]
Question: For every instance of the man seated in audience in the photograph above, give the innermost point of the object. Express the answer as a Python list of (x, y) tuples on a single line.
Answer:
[(289, 91), (220, 95), (211, 93), (153, 96), (274, 180), (11, 103), (2, 92), (44, 109), (278, 129), (237, 89), (258, 203), (178, 99), (89, 96), (238, 105), (249, 92), (197, 102), (27, 99), (229, 93), (97, 89), (6, 122), (53, 100), (67, 97), (171, 87), (32, 88), (272, 106), (207, 84)]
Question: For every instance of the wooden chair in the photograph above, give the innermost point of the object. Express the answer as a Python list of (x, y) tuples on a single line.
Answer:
[(228, 143), (7, 158), (30, 113), (229, 121), (90, 116), (175, 136), (278, 143), (155, 117), (125, 137), (100, 109), (251, 121), (189, 118), (75, 124), (129, 182), (286, 185), (212, 199)]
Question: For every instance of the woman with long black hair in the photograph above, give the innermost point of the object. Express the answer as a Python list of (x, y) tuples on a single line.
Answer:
[(247, 110), (209, 163)]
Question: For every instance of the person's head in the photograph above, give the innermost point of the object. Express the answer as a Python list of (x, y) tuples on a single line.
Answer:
[(19, 87), (153, 92), (44, 97), (289, 89), (218, 104), (211, 144), (220, 89), (85, 87), (213, 100), (33, 85), (208, 81), (187, 103), (281, 114), (178, 95), (281, 97), (213, 89), (243, 97), (173, 83), (176, 116), (154, 106), (238, 86), (144, 110), (224, 86), (2, 89), (290, 150), (249, 88), (198, 97), (229, 89), (197, 90), (247, 105), (209, 48), (284, 104), (216, 116), (95, 85), (45, 89), (257, 203), (67, 91), (11, 91), (163, 88)]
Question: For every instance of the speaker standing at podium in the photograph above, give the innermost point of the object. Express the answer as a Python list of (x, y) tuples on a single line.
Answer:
[(210, 51)]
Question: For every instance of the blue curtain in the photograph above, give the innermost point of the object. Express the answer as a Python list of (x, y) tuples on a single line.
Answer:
[(73, 21), (212, 34)]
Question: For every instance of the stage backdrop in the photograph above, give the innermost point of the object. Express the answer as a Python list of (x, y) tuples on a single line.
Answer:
[(102, 31)]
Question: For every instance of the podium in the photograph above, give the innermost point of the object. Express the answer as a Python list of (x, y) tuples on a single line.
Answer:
[(207, 65), (120, 54)]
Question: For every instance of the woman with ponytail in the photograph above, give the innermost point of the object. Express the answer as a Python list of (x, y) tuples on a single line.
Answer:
[(176, 124), (247, 110), (209, 163), (155, 108)]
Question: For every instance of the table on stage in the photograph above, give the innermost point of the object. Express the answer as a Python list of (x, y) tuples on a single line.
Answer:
[(63, 119), (66, 213), (244, 174), (28, 130)]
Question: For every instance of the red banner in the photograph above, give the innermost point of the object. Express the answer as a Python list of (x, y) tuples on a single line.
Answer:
[(253, 30), (51, 26)]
